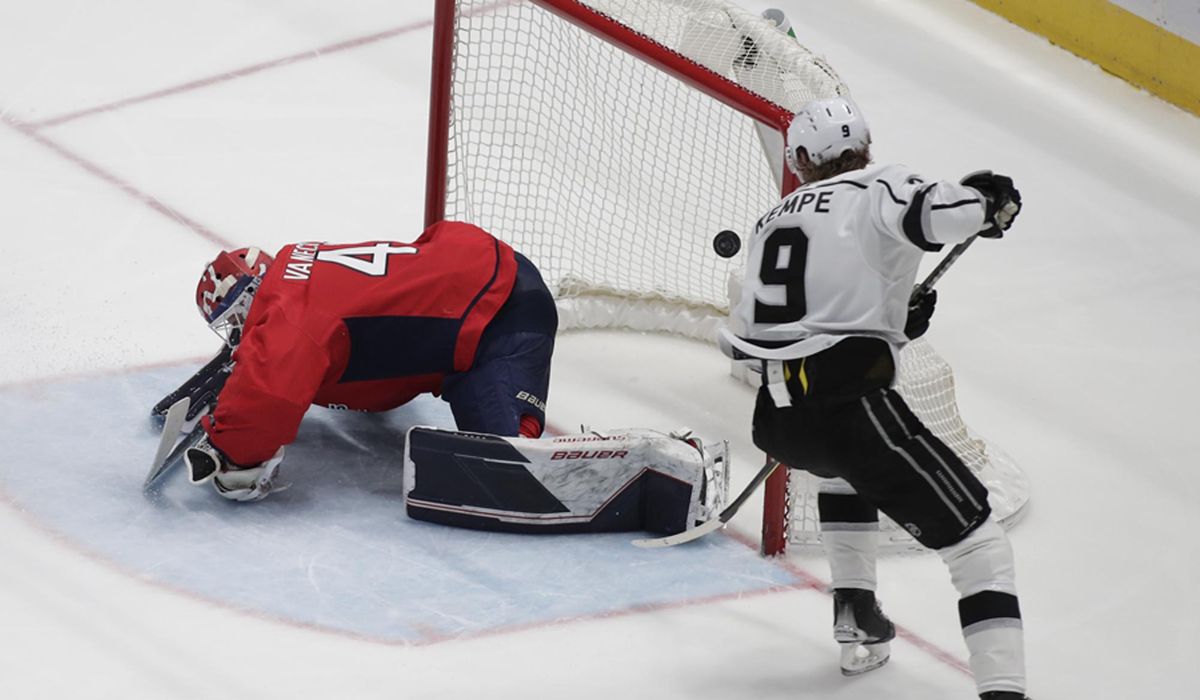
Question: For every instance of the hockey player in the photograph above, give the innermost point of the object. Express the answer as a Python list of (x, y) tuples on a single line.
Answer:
[(368, 327), (825, 307)]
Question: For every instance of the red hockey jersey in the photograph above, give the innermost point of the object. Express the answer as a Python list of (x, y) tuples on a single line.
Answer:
[(362, 326)]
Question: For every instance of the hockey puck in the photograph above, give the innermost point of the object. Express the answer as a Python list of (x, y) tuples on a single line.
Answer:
[(727, 244)]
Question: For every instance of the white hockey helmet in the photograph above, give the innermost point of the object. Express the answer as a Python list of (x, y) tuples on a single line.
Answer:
[(826, 129)]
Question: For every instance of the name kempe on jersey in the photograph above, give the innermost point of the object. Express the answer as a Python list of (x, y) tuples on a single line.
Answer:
[(839, 258), (362, 326)]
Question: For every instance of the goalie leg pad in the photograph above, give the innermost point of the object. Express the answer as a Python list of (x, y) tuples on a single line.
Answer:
[(629, 480)]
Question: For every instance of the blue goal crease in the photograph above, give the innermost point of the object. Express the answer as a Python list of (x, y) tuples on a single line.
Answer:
[(335, 550)]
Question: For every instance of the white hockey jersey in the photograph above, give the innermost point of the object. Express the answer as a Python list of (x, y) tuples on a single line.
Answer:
[(839, 258)]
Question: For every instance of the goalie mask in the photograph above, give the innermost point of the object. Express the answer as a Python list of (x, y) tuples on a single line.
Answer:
[(226, 289), (826, 129)]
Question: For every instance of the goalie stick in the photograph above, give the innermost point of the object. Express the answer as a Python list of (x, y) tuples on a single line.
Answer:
[(169, 453), (172, 424), (718, 522), (202, 388)]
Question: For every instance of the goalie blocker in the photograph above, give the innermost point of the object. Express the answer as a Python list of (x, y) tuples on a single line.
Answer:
[(624, 481)]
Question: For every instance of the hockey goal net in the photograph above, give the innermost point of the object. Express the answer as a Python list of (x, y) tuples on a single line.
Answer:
[(608, 141)]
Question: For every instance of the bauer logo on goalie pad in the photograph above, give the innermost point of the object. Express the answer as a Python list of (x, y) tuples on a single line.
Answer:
[(589, 454)]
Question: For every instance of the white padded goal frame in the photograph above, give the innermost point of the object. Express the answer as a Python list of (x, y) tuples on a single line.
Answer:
[(608, 141)]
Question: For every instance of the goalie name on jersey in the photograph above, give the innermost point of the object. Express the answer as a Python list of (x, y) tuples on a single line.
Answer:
[(300, 262)]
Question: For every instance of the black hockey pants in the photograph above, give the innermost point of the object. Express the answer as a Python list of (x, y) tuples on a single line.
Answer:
[(846, 422)]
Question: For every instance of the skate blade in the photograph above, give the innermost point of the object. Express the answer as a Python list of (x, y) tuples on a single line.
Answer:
[(858, 659)]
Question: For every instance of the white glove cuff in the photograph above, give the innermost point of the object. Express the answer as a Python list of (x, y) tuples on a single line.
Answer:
[(252, 484)]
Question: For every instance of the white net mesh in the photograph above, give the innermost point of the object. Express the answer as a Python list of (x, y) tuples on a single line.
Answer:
[(613, 175), (610, 174)]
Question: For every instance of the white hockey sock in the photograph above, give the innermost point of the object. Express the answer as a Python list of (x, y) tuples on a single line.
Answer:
[(997, 657), (850, 536), (981, 567)]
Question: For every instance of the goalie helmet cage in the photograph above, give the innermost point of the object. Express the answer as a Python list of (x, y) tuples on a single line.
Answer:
[(608, 141)]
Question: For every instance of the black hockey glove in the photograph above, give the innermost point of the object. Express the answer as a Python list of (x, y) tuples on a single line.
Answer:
[(1003, 201), (920, 310)]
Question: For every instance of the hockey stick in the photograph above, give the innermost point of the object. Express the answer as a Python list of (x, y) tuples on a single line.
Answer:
[(175, 457), (166, 457), (718, 522), (202, 388), (954, 254), (176, 417)]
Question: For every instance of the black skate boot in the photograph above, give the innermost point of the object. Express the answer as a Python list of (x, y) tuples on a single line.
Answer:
[(862, 630), (1002, 695)]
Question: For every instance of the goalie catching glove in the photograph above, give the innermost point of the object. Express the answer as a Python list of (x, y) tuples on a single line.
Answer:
[(206, 463), (1002, 199)]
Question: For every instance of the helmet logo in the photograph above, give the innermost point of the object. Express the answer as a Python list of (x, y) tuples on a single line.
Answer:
[(209, 296)]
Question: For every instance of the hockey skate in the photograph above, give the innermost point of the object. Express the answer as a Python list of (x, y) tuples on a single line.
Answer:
[(1003, 695), (862, 630)]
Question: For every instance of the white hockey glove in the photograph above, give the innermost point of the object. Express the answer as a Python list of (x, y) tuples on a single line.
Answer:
[(206, 463)]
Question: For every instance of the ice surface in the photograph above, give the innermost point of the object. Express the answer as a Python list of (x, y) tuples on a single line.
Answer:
[(1073, 341)]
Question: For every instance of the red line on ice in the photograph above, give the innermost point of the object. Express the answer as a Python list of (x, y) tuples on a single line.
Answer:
[(234, 74), (116, 181), (256, 68)]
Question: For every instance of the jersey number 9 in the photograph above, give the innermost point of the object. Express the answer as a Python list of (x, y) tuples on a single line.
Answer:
[(783, 259)]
